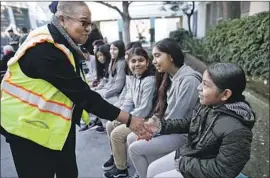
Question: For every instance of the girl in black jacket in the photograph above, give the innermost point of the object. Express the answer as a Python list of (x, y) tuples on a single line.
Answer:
[(219, 133)]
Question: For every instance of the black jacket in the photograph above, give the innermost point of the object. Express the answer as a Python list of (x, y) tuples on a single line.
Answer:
[(4, 61), (45, 61), (219, 141)]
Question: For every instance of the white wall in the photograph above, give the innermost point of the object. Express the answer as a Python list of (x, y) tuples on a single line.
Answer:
[(109, 29), (163, 27), (201, 19), (200, 7), (258, 6)]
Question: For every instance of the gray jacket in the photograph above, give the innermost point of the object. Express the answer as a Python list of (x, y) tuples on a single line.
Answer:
[(182, 94), (91, 64), (121, 99), (116, 83), (140, 95)]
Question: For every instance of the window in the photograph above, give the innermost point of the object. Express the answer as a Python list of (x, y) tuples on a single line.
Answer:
[(245, 6), (208, 15)]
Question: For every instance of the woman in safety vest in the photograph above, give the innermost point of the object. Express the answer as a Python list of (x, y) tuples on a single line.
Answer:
[(43, 96)]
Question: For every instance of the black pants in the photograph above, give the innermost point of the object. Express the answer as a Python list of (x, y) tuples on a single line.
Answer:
[(34, 161)]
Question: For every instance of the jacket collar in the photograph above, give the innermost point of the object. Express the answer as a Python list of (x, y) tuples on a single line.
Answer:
[(57, 36)]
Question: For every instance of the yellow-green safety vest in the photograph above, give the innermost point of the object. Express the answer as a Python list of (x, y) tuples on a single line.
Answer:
[(33, 108)]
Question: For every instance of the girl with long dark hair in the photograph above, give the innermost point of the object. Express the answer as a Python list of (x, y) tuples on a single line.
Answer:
[(139, 97), (116, 75), (177, 94), (103, 59)]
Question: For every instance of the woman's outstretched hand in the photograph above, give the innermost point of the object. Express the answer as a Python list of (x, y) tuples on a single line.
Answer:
[(138, 126), (152, 126)]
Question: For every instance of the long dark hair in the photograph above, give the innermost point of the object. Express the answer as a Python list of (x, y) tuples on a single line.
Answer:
[(121, 54), (229, 76), (134, 44), (102, 69), (163, 81)]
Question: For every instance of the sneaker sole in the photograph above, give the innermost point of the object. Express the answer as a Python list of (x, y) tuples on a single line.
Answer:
[(101, 131), (93, 128), (108, 168), (119, 176)]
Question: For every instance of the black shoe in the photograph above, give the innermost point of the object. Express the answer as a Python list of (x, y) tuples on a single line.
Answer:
[(136, 175), (108, 165), (116, 173), (101, 129), (92, 124), (95, 124), (84, 128)]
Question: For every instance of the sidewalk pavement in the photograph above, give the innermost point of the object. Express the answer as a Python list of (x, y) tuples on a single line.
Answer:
[(92, 151)]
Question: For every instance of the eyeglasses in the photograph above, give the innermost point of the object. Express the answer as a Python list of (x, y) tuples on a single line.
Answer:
[(84, 23)]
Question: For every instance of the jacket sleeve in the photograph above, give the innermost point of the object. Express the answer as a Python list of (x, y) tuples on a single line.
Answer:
[(119, 81), (128, 102), (45, 61), (124, 91), (145, 106), (175, 126), (233, 154), (186, 98), (102, 83), (92, 71)]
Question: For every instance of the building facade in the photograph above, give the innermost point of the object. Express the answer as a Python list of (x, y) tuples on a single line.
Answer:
[(210, 13)]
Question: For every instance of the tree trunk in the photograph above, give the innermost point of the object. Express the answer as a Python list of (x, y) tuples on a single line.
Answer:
[(189, 18), (126, 22), (189, 25)]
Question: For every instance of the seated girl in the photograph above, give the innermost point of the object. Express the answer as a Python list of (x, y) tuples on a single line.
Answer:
[(117, 76), (121, 98), (103, 58), (140, 96), (102, 61), (116, 81), (219, 132), (177, 95)]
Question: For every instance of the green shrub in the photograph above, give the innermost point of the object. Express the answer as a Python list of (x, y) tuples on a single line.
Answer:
[(242, 41), (196, 47), (180, 36)]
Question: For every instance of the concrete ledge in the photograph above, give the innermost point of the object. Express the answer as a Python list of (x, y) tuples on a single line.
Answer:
[(258, 165)]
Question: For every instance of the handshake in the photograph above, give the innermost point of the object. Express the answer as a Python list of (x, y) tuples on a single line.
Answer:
[(145, 130)]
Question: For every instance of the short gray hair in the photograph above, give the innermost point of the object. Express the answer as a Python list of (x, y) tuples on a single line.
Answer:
[(68, 7), (8, 48)]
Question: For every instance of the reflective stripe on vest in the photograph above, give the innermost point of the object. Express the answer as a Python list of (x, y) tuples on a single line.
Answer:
[(33, 108), (36, 100)]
